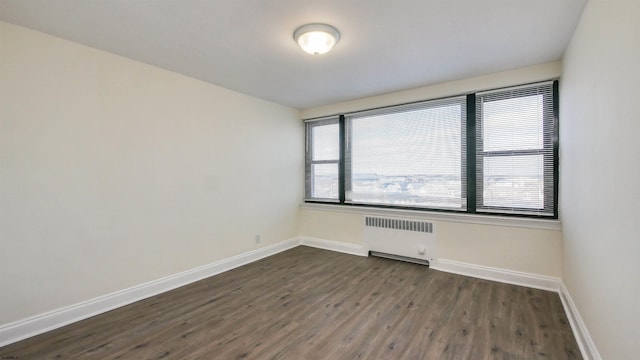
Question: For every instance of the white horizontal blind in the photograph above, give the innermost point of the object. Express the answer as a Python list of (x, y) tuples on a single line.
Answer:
[(515, 130), (410, 156)]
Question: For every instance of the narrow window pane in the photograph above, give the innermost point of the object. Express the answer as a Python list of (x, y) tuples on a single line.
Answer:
[(513, 124), (325, 142), (324, 181), (411, 158), (514, 181)]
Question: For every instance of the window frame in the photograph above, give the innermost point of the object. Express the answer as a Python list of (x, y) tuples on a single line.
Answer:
[(309, 161), (471, 158), (548, 150)]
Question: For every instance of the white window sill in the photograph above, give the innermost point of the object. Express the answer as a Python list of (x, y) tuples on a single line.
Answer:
[(531, 223)]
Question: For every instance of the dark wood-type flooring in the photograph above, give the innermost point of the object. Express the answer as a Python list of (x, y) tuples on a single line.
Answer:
[(307, 303)]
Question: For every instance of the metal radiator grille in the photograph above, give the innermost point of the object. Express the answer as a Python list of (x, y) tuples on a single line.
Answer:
[(399, 224)]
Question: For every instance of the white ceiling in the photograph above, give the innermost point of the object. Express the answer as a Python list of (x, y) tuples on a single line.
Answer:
[(247, 45)]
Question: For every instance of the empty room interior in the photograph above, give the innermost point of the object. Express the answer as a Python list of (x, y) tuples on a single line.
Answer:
[(433, 180)]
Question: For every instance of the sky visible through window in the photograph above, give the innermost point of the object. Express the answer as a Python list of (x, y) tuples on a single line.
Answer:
[(513, 124), (325, 142), (418, 142)]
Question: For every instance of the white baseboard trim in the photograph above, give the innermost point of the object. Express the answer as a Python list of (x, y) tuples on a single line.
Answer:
[(580, 331), (35, 325), (501, 275), (334, 246)]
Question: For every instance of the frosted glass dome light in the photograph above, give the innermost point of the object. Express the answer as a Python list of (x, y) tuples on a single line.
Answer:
[(316, 39)]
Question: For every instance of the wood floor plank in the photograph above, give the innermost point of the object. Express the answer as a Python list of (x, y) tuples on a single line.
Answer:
[(307, 303)]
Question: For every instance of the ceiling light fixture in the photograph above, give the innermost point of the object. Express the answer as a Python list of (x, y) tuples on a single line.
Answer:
[(316, 39)]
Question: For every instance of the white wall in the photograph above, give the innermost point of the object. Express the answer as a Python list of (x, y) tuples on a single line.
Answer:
[(517, 248), (523, 249), (452, 88), (600, 172), (114, 173)]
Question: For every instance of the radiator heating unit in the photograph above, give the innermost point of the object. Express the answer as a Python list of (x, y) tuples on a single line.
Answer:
[(400, 239)]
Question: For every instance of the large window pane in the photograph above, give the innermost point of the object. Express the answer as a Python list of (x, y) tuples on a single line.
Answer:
[(324, 178), (409, 158), (514, 181)]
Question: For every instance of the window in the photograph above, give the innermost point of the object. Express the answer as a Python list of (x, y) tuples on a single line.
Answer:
[(490, 152), (410, 156), (322, 160), (515, 156)]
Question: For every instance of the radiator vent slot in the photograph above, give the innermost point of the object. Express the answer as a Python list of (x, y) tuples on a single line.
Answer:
[(399, 224)]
